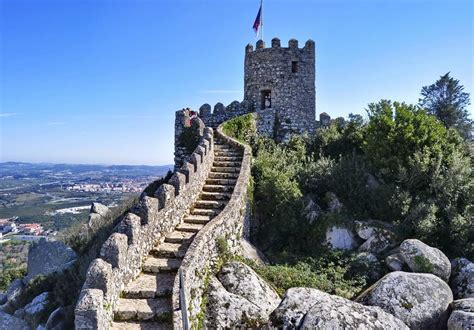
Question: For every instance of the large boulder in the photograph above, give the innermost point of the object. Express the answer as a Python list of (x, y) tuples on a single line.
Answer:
[(8, 321), (339, 237), (100, 209), (462, 316), (35, 309), (422, 258), (46, 257), (15, 289), (240, 279), (313, 309), (462, 278), (460, 320), (228, 310), (420, 300)]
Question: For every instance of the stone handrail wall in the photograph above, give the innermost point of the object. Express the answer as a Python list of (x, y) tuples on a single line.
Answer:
[(203, 252), (149, 221)]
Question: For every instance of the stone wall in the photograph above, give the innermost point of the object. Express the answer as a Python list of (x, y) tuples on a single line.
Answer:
[(288, 74), (222, 113), (203, 252), (149, 221), (187, 132)]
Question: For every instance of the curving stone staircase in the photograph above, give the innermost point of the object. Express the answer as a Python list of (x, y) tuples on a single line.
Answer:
[(146, 302)]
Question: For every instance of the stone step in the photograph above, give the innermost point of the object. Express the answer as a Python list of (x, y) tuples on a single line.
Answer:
[(227, 159), (218, 188), (148, 286), (155, 265), (145, 325), (216, 175), (215, 196), (226, 164), (221, 153), (205, 204), (179, 237), (230, 169), (143, 309), (213, 182), (201, 219), (190, 227), (209, 212), (170, 250)]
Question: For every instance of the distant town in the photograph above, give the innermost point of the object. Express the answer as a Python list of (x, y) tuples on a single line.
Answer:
[(40, 200)]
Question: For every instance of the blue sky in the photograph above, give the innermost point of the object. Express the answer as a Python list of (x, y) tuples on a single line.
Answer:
[(99, 81)]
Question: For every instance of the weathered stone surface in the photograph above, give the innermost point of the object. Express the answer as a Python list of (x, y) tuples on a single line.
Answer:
[(228, 310), (58, 319), (462, 278), (466, 305), (367, 228), (251, 252), (394, 262), (240, 279), (338, 237), (8, 321), (460, 320), (294, 306), (422, 258), (89, 311), (46, 257), (377, 243), (420, 300), (34, 310), (100, 209), (313, 309), (15, 290), (333, 312)]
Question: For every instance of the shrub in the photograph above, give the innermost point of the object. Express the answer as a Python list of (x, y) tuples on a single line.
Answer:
[(242, 128)]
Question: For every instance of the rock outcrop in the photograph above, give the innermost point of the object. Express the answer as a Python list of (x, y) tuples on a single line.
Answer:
[(378, 236), (228, 310), (46, 257), (314, 309), (339, 237), (422, 258), (35, 309), (240, 279), (462, 316), (462, 278), (420, 300), (8, 321)]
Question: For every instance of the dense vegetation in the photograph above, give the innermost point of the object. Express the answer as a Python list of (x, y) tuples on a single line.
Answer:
[(402, 165)]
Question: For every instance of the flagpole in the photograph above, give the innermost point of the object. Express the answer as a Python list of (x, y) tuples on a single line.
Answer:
[(261, 6)]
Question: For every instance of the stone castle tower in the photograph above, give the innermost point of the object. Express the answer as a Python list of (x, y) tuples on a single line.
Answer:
[(279, 85)]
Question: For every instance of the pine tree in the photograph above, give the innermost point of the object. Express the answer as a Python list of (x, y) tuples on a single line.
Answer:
[(447, 100)]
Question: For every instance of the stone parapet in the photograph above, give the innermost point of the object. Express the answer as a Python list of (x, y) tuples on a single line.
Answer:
[(145, 226), (203, 252)]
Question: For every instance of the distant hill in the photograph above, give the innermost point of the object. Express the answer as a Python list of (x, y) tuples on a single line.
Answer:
[(15, 168)]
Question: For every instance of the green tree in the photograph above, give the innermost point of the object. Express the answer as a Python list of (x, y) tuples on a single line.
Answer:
[(447, 100)]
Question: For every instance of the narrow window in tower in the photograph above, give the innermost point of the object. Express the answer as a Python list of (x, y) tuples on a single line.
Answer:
[(294, 66), (266, 99)]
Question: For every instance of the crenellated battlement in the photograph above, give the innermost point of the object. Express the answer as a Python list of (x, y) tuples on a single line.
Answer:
[(276, 44)]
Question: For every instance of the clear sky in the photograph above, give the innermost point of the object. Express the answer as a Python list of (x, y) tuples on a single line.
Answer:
[(99, 81)]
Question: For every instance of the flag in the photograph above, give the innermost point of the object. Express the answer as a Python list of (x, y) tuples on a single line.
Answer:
[(258, 21)]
